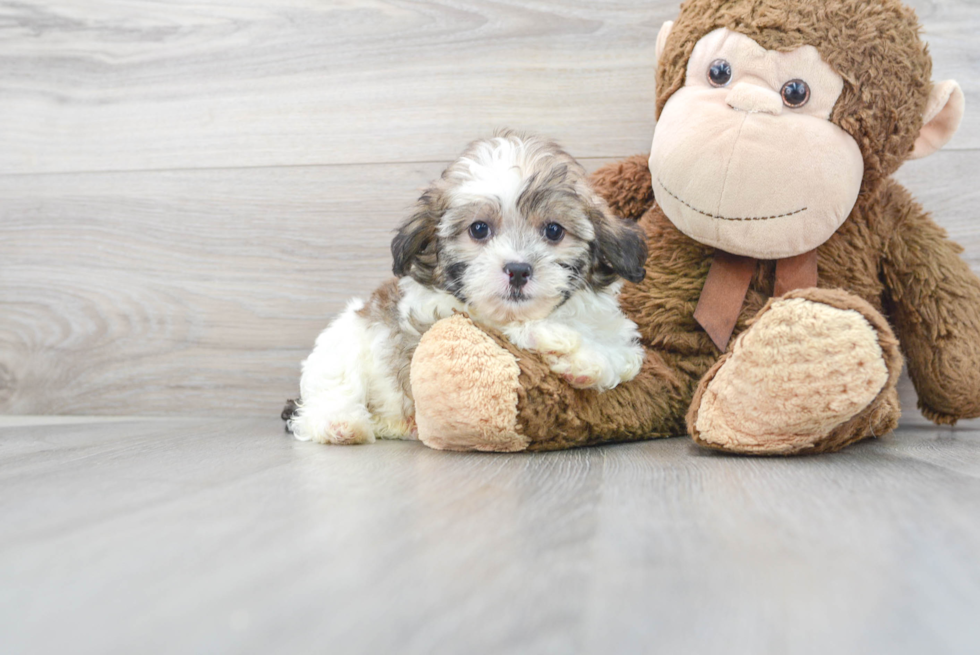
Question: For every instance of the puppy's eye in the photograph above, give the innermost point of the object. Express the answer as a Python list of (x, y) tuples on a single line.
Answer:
[(795, 93), (479, 230), (554, 232), (719, 72)]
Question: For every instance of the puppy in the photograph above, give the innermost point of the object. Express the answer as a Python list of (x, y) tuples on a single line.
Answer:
[(513, 235)]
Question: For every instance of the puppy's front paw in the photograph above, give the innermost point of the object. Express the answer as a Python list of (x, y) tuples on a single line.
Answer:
[(590, 368), (345, 433), (331, 427), (583, 369), (583, 381), (544, 337)]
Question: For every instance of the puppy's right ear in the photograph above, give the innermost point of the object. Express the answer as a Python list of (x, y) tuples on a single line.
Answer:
[(414, 247), (622, 247)]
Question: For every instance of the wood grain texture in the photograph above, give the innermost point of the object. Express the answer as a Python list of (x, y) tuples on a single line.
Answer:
[(226, 536), (137, 84), (199, 292), (140, 85), (192, 292)]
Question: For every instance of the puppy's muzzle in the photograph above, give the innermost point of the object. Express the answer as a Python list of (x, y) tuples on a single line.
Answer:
[(519, 274)]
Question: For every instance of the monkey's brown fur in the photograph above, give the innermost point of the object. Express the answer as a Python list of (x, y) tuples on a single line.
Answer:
[(894, 262)]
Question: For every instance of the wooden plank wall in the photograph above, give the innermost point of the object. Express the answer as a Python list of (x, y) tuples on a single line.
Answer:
[(190, 189)]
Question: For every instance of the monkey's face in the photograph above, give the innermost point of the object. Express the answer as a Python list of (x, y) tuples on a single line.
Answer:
[(745, 157)]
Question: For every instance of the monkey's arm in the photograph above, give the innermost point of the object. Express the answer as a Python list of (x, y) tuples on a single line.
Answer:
[(553, 415), (626, 186), (934, 301), (474, 390)]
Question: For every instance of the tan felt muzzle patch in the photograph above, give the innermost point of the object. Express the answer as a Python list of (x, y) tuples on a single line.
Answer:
[(736, 164)]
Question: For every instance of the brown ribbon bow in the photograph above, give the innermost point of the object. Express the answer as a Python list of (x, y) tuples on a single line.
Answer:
[(728, 281)]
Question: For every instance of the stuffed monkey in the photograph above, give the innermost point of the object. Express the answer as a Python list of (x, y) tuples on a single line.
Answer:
[(788, 273)]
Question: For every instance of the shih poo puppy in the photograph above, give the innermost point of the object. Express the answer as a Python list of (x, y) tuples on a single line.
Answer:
[(513, 235)]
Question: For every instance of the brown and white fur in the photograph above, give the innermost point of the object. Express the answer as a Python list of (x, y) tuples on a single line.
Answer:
[(513, 235)]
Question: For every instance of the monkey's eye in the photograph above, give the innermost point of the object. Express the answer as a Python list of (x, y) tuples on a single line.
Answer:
[(554, 232), (795, 93), (479, 230), (720, 72)]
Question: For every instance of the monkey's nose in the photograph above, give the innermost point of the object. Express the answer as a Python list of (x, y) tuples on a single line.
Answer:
[(519, 273), (754, 99)]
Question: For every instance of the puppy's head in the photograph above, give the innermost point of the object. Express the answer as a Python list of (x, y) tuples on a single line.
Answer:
[(513, 229)]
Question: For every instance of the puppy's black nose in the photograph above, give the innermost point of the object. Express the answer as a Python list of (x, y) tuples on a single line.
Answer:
[(519, 273)]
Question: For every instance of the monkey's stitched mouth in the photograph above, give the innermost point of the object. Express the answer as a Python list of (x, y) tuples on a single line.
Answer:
[(724, 218)]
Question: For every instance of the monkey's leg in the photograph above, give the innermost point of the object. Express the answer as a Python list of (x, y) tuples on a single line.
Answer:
[(626, 186), (474, 390), (934, 301), (814, 371)]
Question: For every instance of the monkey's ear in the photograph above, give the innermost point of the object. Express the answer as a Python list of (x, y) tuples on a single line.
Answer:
[(942, 117), (622, 246), (662, 37), (415, 242)]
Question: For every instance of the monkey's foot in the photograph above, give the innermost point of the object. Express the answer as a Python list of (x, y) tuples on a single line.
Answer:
[(465, 388), (815, 371)]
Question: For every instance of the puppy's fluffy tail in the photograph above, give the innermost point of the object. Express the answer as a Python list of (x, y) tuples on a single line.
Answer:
[(289, 411)]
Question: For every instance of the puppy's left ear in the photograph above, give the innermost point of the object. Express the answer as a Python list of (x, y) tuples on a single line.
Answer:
[(414, 247), (622, 245)]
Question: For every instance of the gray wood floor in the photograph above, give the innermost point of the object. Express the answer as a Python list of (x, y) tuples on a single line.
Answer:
[(189, 190), (217, 535)]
